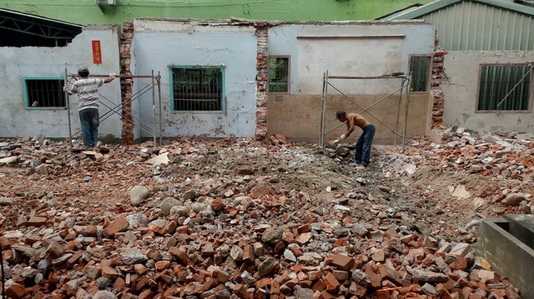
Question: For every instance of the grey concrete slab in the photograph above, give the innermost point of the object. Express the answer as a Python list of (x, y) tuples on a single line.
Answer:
[(507, 254)]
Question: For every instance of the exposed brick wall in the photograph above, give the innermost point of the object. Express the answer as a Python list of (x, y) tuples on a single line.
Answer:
[(262, 63), (438, 77), (125, 46)]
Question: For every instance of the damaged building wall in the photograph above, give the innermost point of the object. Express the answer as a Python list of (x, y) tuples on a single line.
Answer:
[(19, 119), (487, 46), (302, 122), (463, 74), (164, 46), (347, 49)]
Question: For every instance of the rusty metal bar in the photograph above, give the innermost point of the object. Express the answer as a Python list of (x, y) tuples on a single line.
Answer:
[(367, 77), (323, 114), (153, 109), (158, 79), (67, 98), (116, 76), (398, 111), (406, 112)]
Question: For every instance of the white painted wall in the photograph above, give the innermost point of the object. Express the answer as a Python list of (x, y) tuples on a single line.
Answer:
[(463, 70), (382, 52), (17, 63), (160, 44)]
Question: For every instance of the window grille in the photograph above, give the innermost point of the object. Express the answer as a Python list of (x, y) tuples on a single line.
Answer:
[(507, 85), (45, 93), (197, 89), (278, 74), (419, 68)]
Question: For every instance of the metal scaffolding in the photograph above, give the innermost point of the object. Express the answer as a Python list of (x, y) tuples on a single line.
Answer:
[(405, 87), (155, 129)]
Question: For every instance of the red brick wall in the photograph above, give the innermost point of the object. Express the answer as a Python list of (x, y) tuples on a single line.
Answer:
[(262, 63), (125, 46), (438, 76)]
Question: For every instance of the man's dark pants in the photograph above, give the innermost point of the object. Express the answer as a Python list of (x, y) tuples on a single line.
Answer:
[(89, 120), (363, 146)]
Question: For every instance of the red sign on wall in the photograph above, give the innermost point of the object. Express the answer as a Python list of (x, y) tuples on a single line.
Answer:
[(97, 52)]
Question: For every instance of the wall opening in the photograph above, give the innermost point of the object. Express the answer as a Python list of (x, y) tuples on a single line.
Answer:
[(44, 93), (420, 70), (505, 87), (197, 88), (279, 74)]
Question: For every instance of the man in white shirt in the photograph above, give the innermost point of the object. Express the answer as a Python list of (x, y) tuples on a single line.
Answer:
[(87, 90)]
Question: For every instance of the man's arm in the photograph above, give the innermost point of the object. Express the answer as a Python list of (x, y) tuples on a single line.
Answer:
[(350, 128), (111, 78), (68, 90)]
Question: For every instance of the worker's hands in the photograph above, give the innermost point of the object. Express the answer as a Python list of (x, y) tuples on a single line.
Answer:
[(342, 137), (335, 142), (112, 75), (65, 88)]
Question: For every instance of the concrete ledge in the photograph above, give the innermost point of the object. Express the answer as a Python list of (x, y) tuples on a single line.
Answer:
[(522, 227), (507, 254)]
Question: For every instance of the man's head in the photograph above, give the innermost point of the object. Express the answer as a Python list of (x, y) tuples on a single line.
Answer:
[(83, 71), (341, 116)]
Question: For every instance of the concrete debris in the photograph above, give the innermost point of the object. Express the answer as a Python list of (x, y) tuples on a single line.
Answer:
[(161, 159), (240, 218)]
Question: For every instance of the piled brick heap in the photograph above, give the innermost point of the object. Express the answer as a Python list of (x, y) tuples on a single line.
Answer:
[(227, 219), (506, 155)]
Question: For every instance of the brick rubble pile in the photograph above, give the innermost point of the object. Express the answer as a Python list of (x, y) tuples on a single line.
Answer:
[(233, 218)]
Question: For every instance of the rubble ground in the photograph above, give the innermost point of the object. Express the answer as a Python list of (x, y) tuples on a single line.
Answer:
[(239, 218)]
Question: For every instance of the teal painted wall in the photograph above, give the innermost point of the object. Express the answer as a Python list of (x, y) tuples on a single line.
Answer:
[(87, 12)]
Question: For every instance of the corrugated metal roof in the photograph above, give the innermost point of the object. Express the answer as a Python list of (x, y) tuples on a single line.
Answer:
[(37, 18), (478, 24), (473, 26), (439, 4)]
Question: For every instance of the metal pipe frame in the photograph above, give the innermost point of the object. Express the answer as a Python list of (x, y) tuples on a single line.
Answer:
[(155, 82), (405, 83)]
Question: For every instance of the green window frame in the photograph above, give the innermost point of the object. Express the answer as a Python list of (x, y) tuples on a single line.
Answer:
[(279, 74), (44, 93), (420, 71), (197, 88), (505, 87)]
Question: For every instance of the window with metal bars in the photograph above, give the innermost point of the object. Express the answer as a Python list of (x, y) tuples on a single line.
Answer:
[(505, 88), (44, 93), (419, 68), (278, 74), (197, 88)]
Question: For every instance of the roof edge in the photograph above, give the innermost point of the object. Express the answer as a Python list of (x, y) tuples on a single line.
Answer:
[(252, 22), (37, 17)]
